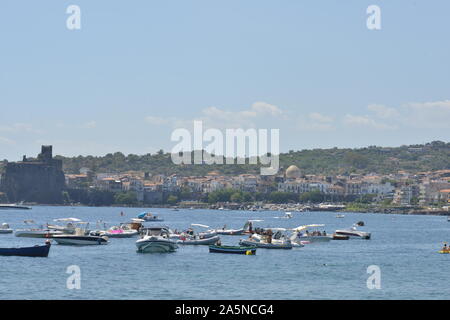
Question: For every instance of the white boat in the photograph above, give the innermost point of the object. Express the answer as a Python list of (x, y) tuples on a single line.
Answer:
[(198, 241), (265, 245), (287, 215), (13, 207), (156, 240), (149, 217), (202, 235), (340, 216), (315, 236), (353, 233), (38, 232), (261, 241), (231, 232), (119, 232), (81, 240), (71, 224), (4, 229)]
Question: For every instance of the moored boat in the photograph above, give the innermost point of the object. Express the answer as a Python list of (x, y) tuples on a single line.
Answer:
[(81, 237), (339, 237), (265, 245), (37, 233), (13, 207), (80, 240), (4, 229), (36, 251), (314, 236), (149, 217), (69, 227), (353, 233), (119, 232), (198, 241), (251, 250), (156, 240)]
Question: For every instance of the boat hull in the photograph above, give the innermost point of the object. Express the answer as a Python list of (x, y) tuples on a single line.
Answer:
[(265, 245), (354, 234), (313, 239), (5, 231), (206, 241), (230, 232), (36, 251), (80, 240), (233, 250), (156, 246), (37, 233)]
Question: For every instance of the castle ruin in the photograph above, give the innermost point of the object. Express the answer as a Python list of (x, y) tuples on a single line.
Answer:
[(38, 180)]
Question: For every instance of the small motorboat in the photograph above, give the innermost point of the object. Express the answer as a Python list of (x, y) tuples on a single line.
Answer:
[(233, 249), (156, 240), (339, 237), (37, 232), (265, 245), (119, 232), (314, 236), (287, 215), (202, 234), (444, 251), (353, 233), (149, 217), (4, 229), (69, 227), (14, 207), (198, 241), (230, 232), (340, 216), (80, 238), (36, 251), (135, 224), (267, 241)]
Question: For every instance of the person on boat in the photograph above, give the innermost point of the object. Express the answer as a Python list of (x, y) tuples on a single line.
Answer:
[(269, 236), (324, 233), (250, 227), (445, 248), (218, 243)]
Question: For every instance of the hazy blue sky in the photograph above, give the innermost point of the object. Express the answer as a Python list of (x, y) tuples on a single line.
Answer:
[(138, 69)]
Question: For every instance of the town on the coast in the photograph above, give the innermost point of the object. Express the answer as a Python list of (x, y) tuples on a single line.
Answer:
[(43, 180)]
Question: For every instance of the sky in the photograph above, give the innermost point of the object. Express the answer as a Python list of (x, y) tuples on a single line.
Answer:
[(138, 70)]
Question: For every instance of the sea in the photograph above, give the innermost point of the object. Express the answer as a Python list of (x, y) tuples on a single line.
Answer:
[(402, 254)]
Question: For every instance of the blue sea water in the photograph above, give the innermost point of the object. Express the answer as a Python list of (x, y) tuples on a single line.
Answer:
[(404, 247)]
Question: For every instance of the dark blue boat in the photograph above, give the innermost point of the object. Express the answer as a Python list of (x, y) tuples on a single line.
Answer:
[(36, 251), (233, 249)]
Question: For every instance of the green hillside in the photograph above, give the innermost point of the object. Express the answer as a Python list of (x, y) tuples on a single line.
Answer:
[(413, 158)]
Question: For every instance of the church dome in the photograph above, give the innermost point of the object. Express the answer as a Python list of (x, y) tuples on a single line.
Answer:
[(293, 172)]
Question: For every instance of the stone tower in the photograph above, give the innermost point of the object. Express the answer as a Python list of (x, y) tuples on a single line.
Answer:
[(40, 181)]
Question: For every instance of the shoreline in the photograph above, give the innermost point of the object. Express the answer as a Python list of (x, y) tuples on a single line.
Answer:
[(271, 207)]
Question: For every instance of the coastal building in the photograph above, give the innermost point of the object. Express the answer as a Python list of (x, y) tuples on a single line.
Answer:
[(77, 181)]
